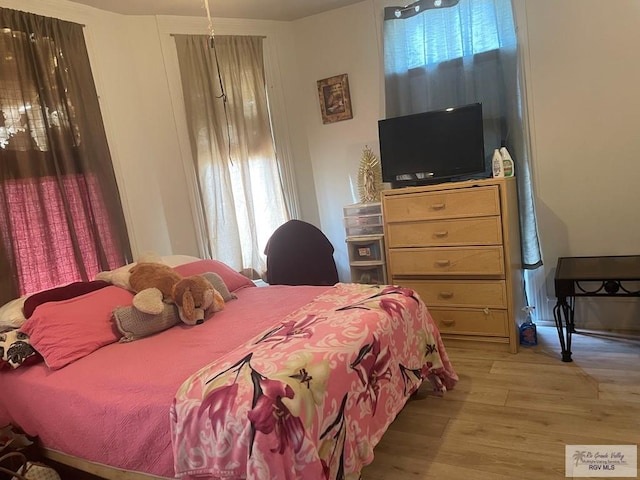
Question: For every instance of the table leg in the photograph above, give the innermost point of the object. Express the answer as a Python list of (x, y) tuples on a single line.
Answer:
[(571, 325), (563, 309)]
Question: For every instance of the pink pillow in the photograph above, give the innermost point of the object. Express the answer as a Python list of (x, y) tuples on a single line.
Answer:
[(66, 331), (232, 279), (65, 292)]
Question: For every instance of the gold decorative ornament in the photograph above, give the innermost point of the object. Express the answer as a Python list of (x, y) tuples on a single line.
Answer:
[(369, 177)]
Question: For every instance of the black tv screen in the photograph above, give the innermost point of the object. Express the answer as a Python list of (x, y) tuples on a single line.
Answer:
[(433, 146)]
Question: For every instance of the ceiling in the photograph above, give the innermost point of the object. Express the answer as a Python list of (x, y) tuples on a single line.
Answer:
[(286, 10)]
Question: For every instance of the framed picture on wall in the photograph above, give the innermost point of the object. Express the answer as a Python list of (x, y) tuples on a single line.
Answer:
[(335, 101)]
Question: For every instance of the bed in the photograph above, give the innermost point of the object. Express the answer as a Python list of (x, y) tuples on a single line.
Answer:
[(286, 382)]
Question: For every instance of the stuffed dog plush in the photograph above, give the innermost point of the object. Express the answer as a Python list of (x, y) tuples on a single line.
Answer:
[(155, 283)]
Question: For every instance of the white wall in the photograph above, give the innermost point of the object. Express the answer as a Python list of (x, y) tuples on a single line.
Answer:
[(341, 41), (583, 80), (147, 153), (582, 77)]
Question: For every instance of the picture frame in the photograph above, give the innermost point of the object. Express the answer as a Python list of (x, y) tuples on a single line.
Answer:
[(335, 99)]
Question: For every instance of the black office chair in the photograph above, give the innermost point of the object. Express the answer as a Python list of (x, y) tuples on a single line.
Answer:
[(298, 253)]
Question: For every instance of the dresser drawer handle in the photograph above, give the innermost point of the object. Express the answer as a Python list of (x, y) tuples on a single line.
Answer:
[(443, 263), (448, 322), (446, 294), (438, 206), (441, 234)]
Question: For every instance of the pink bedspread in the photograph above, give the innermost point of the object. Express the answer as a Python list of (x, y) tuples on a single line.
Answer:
[(112, 406), (310, 397)]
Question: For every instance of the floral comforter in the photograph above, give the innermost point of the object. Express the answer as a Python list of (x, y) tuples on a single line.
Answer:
[(311, 397)]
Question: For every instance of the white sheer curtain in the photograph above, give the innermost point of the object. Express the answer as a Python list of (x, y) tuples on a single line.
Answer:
[(239, 183), (464, 52)]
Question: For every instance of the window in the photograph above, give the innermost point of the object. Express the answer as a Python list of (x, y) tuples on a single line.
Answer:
[(449, 33), (60, 213), (240, 189)]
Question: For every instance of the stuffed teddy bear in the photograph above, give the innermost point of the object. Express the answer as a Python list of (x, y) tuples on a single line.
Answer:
[(155, 283)]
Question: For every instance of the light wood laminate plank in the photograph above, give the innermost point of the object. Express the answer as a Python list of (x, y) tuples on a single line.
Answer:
[(511, 416)]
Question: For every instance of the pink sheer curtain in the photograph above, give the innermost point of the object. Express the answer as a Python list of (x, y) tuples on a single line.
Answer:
[(61, 218), (36, 231)]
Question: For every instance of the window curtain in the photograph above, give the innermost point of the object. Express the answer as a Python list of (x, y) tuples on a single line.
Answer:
[(464, 52), (60, 214), (240, 188)]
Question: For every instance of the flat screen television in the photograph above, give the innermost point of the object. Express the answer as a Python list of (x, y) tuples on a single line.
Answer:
[(433, 147)]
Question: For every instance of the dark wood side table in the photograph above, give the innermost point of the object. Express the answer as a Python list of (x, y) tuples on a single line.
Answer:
[(606, 277)]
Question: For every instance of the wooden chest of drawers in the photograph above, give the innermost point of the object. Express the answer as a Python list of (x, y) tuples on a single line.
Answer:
[(457, 245)]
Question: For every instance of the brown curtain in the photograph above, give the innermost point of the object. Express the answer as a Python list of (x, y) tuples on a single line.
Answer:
[(61, 218)]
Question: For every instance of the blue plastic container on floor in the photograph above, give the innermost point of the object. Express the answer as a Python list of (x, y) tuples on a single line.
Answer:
[(528, 334)]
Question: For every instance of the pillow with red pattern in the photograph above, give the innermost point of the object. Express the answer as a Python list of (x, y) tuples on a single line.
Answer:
[(232, 279), (16, 350)]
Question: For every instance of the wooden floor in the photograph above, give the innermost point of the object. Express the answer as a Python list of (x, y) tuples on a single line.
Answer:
[(510, 416)]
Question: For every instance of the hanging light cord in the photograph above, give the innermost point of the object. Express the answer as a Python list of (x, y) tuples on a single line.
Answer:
[(223, 95), (206, 7)]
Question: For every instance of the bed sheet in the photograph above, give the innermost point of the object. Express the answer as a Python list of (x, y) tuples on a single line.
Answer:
[(112, 406)]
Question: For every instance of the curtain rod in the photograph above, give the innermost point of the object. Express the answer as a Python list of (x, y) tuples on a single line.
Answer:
[(259, 36), (397, 13)]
